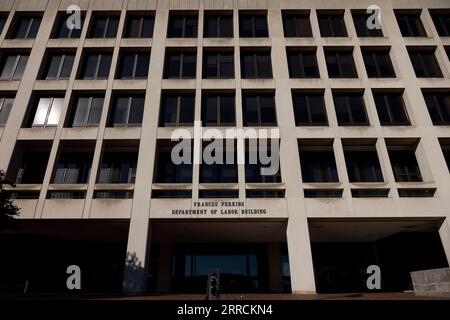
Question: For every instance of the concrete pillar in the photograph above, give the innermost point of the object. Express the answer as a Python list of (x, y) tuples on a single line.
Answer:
[(274, 263), (300, 257), (164, 274), (444, 232)]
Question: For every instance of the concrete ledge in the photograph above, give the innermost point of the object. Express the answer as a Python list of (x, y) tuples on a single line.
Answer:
[(434, 281)]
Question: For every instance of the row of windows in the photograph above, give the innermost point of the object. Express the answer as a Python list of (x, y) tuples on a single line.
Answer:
[(184, 24), (118, 163), (219, 63), (218, 108)]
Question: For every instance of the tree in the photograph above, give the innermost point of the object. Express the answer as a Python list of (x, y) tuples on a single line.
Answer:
[(8, 210)]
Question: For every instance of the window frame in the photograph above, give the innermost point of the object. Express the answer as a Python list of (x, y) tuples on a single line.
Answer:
[(218, 55), (258, 96), (372, 54), (60, 67), (95, 19), (243, 14), (48, 112), (86, 123), (177, 122), (12, 75), (127, 123), (182, 55), (389, 108), (348, 109), (297, 16), (141, 17), (16, 25), (308, 95), (419, 54), (184, 16), (218, 17), (218, 107), (329, 15), (337, 55), (299, 55), (136, 57), (5, 114), (99, 57), (255, 55)]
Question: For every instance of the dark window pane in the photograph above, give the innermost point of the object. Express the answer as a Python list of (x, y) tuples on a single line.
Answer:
[(53, 67), (256, 65), (296, 25), (253, 25), (142, 66), (438, 104), (302, 64), (259, 110), (5, 109), (127, 66), (182, 26), (187, 107), (66, 68), (441, 22), (104, 67), (410, 24), (363, 166), (404, 165), (360, 22), (350, 109), (378, 64), (340, 64), (309, 109), (332, 25), (318, 166), (136, 111), (391, 109), (121, 110), (189, 65), (425, 64), (96, 111), (2, 23), (20, 68), (139, 27)]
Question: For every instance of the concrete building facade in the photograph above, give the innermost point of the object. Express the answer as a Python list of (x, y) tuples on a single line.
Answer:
[(293, 233)]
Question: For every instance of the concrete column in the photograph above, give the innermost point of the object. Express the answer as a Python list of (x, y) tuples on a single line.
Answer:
[(444, 232), (274, 263), (164, 274), (300, 257)]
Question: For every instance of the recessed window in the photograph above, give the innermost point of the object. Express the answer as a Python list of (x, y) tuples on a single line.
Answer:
[(391, 108), (370, 193), (182, 25), (331, 23), (62, 31), (218, 64), (99, 194), (350, 109), (217, 194), (445, 145), (139, 26), (323, 193), (96, 66), (66, 194), (25, 27), (127, 110), (2, 22), (118, 165), (441, 22), (177, 109), (340, 64), (104, 26), (218, 25), (360, 21), (47, 111), (254, 169), (309, 109), (425, 63), (260, 194), (438, 104), (416, 192), (253, 24), (219, 171), (317, 161), (6, 103), (258, 109), (378, 63), (73, 164), (296, 24), (218, 109), (302, 63), (180, 64), (171, 194), (166, 171), (86, 111), (402, 154), (256, 64), (134, 65), (58, 66), (410, 24), (13, 67), (361, 159)]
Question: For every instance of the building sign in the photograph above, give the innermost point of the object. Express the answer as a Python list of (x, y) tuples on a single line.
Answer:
[(227, 208)]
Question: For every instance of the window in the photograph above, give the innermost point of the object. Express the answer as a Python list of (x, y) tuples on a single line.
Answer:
[(350, 109), (391, 108), (309, 109), (139, 26), (256, 64), (30, 161), (13, 67), (378, 63), (127, 111), (416, 192), (134, 65), (118, 166), (104, 26), (218, 109), (362, 162), (182, 25), (438, 104), (177, 109), (302, 63), (445, 146), (323, 193), (58, 67), (296, 24), (410, 24), (87, 111), (317, 161), (425, 63), (6, 104), (403, 160), (215, 194), (218, 64), (62, 31), (441, 22), (2, 23), (25, 27), (253, 166), (253, 25), (166, 171), (259, 109), (180, 64), (48, 111), (340, 64), (96, 66), (72, 166), (260, 194), (219, 172), (331, 24), (360, 22), (218, 25)]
